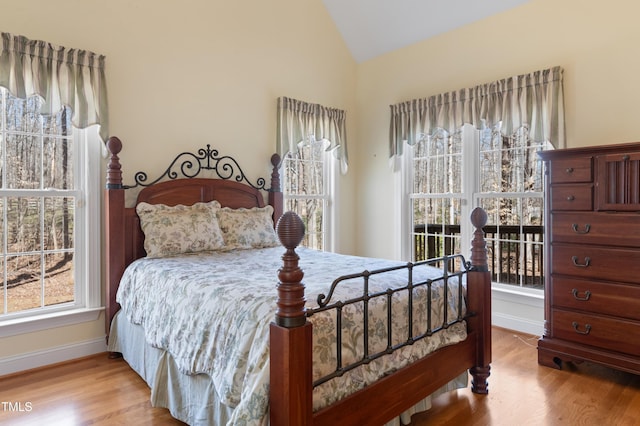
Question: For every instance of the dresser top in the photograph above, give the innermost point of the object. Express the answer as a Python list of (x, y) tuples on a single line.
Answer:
[(589, 150)]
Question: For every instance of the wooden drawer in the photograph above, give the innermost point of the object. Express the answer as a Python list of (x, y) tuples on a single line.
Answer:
[(571, 170), (596, 297), (616, 229), (595, 262), (576, 197), (595, 330)]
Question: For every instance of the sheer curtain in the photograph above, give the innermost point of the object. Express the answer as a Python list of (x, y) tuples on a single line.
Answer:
[(533, 100), (298, 121), (61, 76)]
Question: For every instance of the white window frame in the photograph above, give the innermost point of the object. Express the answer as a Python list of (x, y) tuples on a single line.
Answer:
[(87, 232)]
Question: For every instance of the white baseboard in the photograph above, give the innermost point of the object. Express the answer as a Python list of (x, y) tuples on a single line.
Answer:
[(520, 324), (31, 360)]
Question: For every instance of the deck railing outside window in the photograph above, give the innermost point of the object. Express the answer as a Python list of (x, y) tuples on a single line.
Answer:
[(514, 252)]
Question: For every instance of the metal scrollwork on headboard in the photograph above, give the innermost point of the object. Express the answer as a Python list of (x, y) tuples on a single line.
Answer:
[(189, 165)]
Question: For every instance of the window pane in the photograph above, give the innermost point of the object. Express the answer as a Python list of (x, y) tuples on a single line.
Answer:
[(292, 173), (58, 282), (59, 123), (534, 170), (58, 163), (58, 223), (491, 173), (420, 175), (454, 181), (24, 283), (23, 161), (2, 227), (532, 211), (23, 224), (304, 170), (437, 164), (510, 164), (436, 227), (311, 213), (437, 173), (514, 235), (23, 115)]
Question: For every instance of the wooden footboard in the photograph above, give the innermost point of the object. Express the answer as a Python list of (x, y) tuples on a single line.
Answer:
[(291, 384)]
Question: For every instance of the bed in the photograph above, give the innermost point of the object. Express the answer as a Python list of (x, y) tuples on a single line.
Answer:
[(254, 329)]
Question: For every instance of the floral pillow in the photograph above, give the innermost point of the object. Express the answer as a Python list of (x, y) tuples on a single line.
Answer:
[(170, 230), (247, 228)]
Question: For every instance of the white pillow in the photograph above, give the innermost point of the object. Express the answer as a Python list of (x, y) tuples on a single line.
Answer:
[(171, 230)]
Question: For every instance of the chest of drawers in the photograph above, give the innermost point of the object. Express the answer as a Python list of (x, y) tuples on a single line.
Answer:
[(592, 257)]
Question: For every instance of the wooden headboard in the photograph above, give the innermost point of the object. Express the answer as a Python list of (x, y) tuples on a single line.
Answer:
[(124, 240)]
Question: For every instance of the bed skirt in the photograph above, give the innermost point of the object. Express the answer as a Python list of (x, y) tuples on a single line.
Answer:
[(192, 398)]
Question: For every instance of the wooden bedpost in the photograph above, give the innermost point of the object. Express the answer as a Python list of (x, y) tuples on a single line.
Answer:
[(114, 228), (275, 192), (290, 336), (479, 303)]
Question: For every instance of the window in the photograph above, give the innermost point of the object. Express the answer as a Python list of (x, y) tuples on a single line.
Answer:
[(49, 211), (312, 140), (450, 174), (445, 175), (307, 190), (436, 195), (510, 189)]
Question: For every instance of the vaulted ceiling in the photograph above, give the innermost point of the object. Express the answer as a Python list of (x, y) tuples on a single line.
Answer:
[(373, 27)]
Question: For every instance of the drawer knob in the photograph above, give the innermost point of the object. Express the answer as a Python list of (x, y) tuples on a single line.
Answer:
[(586, 229), (569, 170), (571, 198), (576, 327), (587, 295), (587, 262)]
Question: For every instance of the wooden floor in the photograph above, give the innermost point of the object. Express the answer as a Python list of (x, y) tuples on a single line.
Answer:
[(100, 391)]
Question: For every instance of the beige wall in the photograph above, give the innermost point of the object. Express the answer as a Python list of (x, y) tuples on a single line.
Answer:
[(596, 43), (184, 74)]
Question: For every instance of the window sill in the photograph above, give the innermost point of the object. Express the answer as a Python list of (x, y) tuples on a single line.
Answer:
[(518, 308), (518, 294), (50, 320)]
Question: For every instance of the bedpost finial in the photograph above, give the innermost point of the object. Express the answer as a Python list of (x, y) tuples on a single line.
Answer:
[(114, 168), (478, 244), (291, 310), (478, 218), (276, 160), (275, 172), (114, 145), (290, 230)]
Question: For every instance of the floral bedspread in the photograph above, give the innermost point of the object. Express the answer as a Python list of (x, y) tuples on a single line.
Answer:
[(212, 312)]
